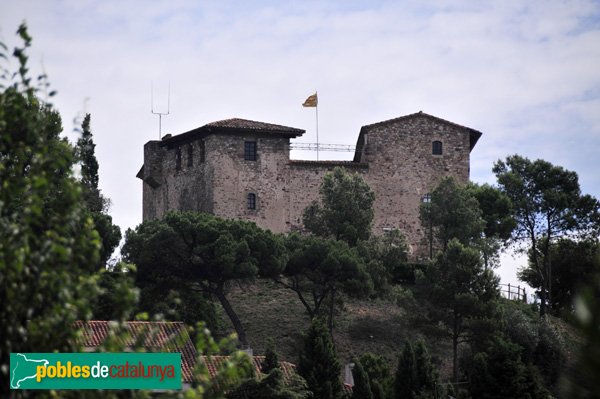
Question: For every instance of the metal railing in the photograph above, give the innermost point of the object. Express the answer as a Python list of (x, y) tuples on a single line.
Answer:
[(513, 292)]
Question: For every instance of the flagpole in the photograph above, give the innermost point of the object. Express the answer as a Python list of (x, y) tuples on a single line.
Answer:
[(317, 115)]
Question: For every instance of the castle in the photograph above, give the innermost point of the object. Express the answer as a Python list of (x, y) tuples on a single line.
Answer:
[(239, 168)]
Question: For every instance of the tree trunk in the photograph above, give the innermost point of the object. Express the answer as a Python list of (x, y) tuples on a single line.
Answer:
[(331, 309), (235, 320)]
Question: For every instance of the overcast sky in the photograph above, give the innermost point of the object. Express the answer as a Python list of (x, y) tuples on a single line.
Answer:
[(525, 73)]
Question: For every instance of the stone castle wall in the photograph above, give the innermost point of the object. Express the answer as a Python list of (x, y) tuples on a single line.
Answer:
[(395, 158)]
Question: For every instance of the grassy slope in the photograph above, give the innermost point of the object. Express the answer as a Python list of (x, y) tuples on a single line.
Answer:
[(268, 310)]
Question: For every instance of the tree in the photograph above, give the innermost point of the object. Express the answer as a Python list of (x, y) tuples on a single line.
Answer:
[(346, 208), (415, 375), (426, 374), (462, 290), (573, 264), (271, 361), (499, 372), (378, 371), (386, 259), (362, 386), (46, 241), (204, 254), (496, 211), (318, 269), (452, 212), (547, 204), (96, 203), (319, 364), (582, 380), (272, 386), (406, 374)]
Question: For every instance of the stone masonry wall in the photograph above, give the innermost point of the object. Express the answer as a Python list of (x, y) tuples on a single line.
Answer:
[(402, 169), (396, 161)]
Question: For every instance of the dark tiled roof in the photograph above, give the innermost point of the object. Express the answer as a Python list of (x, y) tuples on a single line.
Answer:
[(152, 336), (346, 164), (236, 126), (473, 134), (237, 123)]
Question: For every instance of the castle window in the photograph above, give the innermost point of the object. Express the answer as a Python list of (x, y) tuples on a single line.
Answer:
[(251, 201), (250, 150), (190, 155), (436, 148), (202, 150), (178, 159)]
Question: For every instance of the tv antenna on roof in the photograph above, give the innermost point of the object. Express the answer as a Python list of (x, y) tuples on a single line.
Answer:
[(160, 114)]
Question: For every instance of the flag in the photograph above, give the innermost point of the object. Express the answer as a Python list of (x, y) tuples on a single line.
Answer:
[(311, 101)]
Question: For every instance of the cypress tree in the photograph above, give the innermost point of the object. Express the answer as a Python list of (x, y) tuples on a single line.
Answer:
[(319, 364), (405, 383), (425, 373), (96, 204), (362, 387)]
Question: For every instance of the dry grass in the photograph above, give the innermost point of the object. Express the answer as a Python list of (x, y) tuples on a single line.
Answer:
[(268, 310)]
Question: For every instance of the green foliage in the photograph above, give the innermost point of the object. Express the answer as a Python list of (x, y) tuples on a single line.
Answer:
[(496, 210), (271, 361), (386, 258), (582, 381), (272, 386), (362, 387), (95, 202), (118, 296), (462, 292), (319, 268), (499, 373), (452, 213), (203, 253), (378, 371), (573, 263), (406, 374), (346, 209), (85, 151), (547, 204), (415, 375), (46, 241), (110, 235), (319, 364)]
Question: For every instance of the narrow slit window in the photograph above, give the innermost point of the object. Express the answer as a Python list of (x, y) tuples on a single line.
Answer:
[(251, 201), (250, 150), (436, 148), (202, 150), (178, 159), (190, 155)]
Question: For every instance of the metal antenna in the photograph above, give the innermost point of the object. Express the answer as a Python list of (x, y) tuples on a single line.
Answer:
[(160, 114)]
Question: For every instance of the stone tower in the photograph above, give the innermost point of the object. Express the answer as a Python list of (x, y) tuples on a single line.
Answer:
[(238, 168)]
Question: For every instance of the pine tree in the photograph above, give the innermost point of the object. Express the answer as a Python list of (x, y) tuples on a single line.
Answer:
[(362, 387), (319, 364)]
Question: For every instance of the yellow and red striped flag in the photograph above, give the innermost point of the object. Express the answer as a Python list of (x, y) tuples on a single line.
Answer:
[(311, 101)]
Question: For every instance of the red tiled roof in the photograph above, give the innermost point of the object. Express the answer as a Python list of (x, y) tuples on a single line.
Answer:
[(152, 336)]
